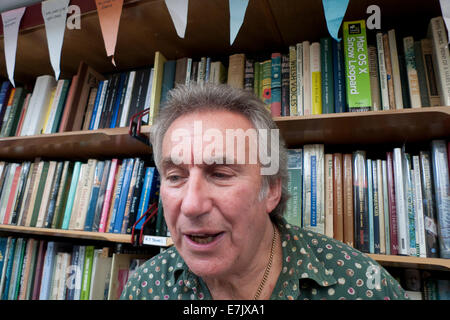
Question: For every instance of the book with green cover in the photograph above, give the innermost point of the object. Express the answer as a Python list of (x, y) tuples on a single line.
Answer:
[(71, 196), (326, 61), (357, 66), (295, 175), (40, 191), (9, 128), (63, 194), (87, 272)]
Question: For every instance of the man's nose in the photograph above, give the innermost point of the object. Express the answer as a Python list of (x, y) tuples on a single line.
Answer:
[(196, 200)]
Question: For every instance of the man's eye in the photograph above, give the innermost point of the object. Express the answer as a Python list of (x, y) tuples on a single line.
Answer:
[(220, 175), (173, 178)]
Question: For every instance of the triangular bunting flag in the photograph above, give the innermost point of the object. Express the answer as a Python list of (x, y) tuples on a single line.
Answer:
[(109, 12), (178, 10), (334, 14), (445, 8), (11, 22), (237, 14), (54, 13)]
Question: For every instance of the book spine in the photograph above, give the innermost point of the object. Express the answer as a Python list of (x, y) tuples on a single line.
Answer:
[(108, 196), (441, 57), (431, 233), (371, 206), (71, 196), (329, 196), (357, 66), (430, 73), (236, 71), (387, 230), (275, 85), (418, 204), (123, 196), (421, 74), (381, 220), (411, 221), (94, 196), (360, 201), (326, 58), (285, 90), (256, 79), (144, 199), (87, 272), (266, 82), (382, 72), (340, 96), (442, 191), (96, 104), (316, 78), (338, 206), (116, 198), (395, 69), (249, 74), (393, 222), (126, 216), (300, 99), (376, 209), (348, 200), (389, 76), (374, 79), (293, 81), (306, 61), (400, 202), (411, 69), (101, 196), (136, 194), (294, 204), (101, 105)]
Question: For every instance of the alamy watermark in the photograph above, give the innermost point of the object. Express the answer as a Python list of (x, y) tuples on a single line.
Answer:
[(234, 146)]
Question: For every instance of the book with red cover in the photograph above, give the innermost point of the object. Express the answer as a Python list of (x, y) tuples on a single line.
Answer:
[(68, 104), (23, 112), (12, 194), (348, 200), (39, 269), (338, 206), (392, 208)]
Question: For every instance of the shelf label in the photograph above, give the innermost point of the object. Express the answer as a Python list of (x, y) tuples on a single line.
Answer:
[(54, 13), (11, 21), (109, 12), (155, 241), (178, 10)]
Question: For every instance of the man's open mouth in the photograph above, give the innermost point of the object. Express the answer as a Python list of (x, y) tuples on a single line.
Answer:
[(203, 238)]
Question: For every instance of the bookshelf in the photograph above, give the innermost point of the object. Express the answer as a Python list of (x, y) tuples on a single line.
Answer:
[(269, 26)]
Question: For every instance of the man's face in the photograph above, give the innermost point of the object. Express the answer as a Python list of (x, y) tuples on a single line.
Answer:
[(214, 212)]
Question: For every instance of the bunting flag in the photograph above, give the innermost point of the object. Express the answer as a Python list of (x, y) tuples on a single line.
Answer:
[(109, 12), (237, 14), (54, 13), (178, 10), (334, 14), (445, 8), (11, 22)]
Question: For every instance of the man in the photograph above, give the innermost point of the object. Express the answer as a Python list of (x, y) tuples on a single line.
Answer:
[(224, 210)]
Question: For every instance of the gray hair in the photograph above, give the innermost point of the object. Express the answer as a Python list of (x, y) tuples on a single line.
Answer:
[(185, 100)]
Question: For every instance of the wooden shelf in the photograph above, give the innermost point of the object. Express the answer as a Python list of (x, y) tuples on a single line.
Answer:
[(75, 145), (103, 236), (371, 127), (412, 262)]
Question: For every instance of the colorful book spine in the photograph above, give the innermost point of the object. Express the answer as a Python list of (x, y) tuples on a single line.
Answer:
[(393, 225), (300, 83), (266, 82), (293, 81), (87, 272), (329, 196), (275, 85), (116, 197), (411, 69), (410, 209), (387, 229), (71, 195), (418, 205), (357, 66), (316, 78), (108, 196), (348, 200), (285, 90), (123, 196), (376, 209)]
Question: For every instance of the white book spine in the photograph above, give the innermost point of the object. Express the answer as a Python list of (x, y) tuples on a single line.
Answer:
[(420, 222), (149, 93), (42, 105), (300, 95), (79, 273), (382, 72), (188, 71), (307, 153), (386, 208), (127, 102), (400, 203), (307, 99), (395, 69), (441, 58), (56, 98), (100, 105), (329, 179), (30, 112), (381, 207), (411, 70)]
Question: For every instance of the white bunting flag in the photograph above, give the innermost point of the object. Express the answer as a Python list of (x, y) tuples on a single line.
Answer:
[(11, 22), (178, 10), (54, 13), (237, 14)]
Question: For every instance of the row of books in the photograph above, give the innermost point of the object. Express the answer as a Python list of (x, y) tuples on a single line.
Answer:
[(395, 205), (353, 75), (423, 284), (34, 269), (98, 195)]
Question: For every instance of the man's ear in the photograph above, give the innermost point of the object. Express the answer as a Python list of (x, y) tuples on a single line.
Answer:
[(273, 195)]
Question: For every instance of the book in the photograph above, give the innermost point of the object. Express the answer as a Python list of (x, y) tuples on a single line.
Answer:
[(348, 199), (400, 202), (442, 194), (316, 78), (410, 209), (360, 201), (357, 66), (249, 74), (275, 85), (95, 190), (378, 172), (338, 205), (389, 76), (387, 231), (329, 196), (266, 78), (87, 273), (108, 196), (47, 271), (285, 90), (370, 206), (396, 77), (101, 274), (383, 77), (236, 69), (374, 79), (340, 95), (293, 213), (393, 225), (293, 104), (326, 61), (306, 82), (441, 57), (411, 69), (421, 74), (168, 79), (430, 73), (78, 218), (62, 195), (156, 86), (71, 195), (418, 205)]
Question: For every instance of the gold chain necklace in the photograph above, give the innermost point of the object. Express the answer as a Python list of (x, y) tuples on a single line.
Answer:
[(269, 265)]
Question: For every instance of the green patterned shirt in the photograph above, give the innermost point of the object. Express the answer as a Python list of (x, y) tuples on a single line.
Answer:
[(314, 267)]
